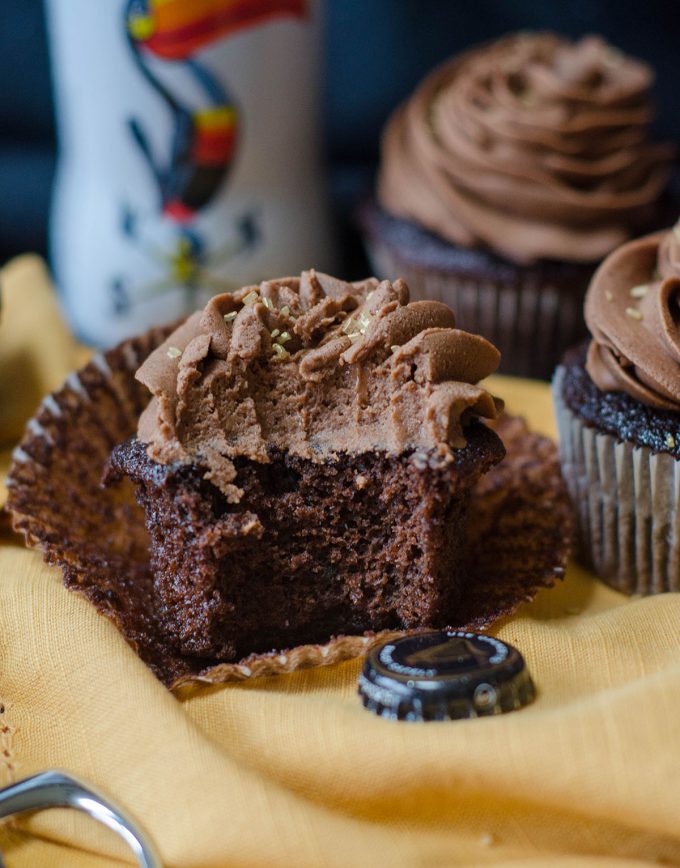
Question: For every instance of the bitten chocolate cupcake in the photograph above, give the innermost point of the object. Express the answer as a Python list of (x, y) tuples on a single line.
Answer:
[(305, 464), (507, 176), (618, 411), (395, 495)]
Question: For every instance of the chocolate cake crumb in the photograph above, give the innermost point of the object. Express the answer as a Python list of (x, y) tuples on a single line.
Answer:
[(306, 553)]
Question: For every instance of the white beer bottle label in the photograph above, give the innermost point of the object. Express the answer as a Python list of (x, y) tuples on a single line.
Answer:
[(189, 154)]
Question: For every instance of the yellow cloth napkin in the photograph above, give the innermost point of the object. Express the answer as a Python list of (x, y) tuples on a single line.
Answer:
[(291, 771), (36, 348)]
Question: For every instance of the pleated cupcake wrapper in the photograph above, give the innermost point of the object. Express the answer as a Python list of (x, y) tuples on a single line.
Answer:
[(626, 502), (531, 323), (518, 540)]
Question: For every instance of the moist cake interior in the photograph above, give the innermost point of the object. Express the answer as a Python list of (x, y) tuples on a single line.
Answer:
[(367, 541)]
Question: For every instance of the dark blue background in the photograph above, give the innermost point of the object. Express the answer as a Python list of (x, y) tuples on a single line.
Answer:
[(376, 51)]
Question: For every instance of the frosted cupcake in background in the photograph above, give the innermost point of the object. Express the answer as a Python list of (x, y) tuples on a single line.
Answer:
[(507, 176), (617, 400)]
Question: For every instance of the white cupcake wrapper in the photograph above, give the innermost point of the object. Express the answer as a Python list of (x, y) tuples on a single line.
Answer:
[(626, 502), (532, 323)]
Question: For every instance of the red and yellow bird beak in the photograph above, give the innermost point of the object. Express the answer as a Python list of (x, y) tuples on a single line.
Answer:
[(175, 29)]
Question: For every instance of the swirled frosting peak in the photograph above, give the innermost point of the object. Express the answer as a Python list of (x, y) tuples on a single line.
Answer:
[(633, 313), (533, 146), (312, 366)]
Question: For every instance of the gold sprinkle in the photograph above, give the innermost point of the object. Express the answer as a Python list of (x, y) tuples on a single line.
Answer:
[(639, 291), (228, 317), (670, 441), (268, 303), (364, 321), (284, 336), (354, 336), (395, 347), (174, 352), (608, 295), (348, 325), (285, 310), (275, 333), (251, 297), (370, 295), (633, 313), (280, 351)]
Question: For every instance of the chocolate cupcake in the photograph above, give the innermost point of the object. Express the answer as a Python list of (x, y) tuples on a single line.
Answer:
[(305, 464), (618, 411), (507, 176), (517, 537)]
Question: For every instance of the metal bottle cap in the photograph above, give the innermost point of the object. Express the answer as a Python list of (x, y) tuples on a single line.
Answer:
[(444, 676)]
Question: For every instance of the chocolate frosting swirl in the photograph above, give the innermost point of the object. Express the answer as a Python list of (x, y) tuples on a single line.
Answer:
[(633, 313), (314, 366), (533, 146)]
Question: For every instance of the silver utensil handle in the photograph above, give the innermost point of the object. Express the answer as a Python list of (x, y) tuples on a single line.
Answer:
[(56, 789)]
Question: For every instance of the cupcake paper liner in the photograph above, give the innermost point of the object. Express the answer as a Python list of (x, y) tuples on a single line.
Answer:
[(518, 540), (625, 498), (531, 322)]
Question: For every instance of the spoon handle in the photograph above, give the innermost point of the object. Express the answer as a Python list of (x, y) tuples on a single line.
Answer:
[(56, 789)]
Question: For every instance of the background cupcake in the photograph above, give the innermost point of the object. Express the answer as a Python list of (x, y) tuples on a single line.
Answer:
[(618, 412), (507, 176)]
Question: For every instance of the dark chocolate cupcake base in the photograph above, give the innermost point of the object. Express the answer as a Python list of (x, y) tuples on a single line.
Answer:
[(516, 541), (617, 413), (620, 463)]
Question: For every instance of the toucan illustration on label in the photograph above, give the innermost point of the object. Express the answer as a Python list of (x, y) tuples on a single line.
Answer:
[(205, 124)]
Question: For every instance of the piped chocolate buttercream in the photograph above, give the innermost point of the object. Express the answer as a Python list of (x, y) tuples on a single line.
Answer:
[(533, 146), (633, 313), (313, 366)]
